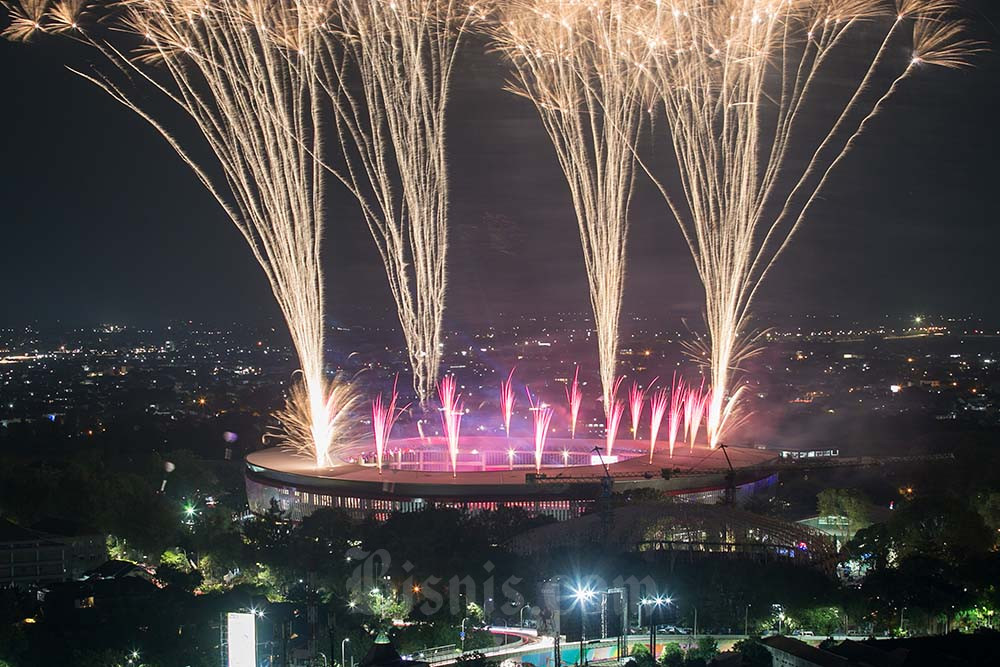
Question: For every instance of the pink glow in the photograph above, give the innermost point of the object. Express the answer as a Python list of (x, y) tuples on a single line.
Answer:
[(614, 420), (542, 417), (636, 399), (613, 417), (507, 401), (699, 401), (675, 414), (575, 398), (658, 403), (451, 416), (384, 415)]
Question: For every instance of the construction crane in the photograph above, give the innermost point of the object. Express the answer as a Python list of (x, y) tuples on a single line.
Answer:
[(607, 512)]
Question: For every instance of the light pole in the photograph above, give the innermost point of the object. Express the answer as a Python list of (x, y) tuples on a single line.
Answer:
[(583, 595), (462, 634), (656, 603), (746, 621), (343, 652), (326, 661), (527, 606)]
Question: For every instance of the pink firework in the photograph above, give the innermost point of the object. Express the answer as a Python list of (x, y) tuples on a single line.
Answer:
[(507, 401), (613, 417), (451, 417), (542, 417), (384, 416), (636, 399), (699, 400), (675, 413), (658, 403), (575, 398)]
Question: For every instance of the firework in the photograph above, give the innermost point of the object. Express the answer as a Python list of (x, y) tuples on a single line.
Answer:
[(542, 416), (574, 396), (384, 416), (392, 136), (698, 400), (676, 412), (298, 417), (733, 79), (507, 401), (613, 417), (658, 404), (636, 399), (451, 416), (574, 61), (245, 73)]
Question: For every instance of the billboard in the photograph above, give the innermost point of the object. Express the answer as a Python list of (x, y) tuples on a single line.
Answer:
[(241, 631)]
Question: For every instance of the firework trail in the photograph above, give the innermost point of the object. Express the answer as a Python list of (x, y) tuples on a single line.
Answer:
[(451, 417), (733, 79), (245, 73), (574, 396), (507, 401), (676, 412), (613, 417), (698, 400), (392, 136), (658, 403), (542, 416), (384, 416), (572, 60), (636, 399)]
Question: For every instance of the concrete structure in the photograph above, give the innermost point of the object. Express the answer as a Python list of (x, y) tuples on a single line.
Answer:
[(494, 472), (30, 557)]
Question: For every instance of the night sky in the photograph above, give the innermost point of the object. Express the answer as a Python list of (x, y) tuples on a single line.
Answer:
[(102, 222)]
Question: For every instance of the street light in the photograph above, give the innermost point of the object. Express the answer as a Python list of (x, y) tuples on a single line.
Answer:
[(582, 596), (343, 652), (527, 606), (656, 602), (462, 634)]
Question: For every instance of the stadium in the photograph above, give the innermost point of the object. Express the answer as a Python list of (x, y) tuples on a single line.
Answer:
[(492, 472)]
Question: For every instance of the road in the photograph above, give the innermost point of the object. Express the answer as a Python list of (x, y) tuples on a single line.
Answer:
[(527, 647)]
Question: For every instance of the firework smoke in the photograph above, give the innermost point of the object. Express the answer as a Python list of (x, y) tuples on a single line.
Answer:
[(572, 60)]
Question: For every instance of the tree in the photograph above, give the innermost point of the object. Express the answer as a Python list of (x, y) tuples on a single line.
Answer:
[(753, 653), (706, 649), (269, 535), (642, 656), (849, 504), (672, 655)]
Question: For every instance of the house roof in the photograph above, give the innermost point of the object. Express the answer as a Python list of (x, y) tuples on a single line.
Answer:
[(805, 652)]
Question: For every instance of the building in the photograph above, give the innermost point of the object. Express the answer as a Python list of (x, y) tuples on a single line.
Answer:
[(32, 557)]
